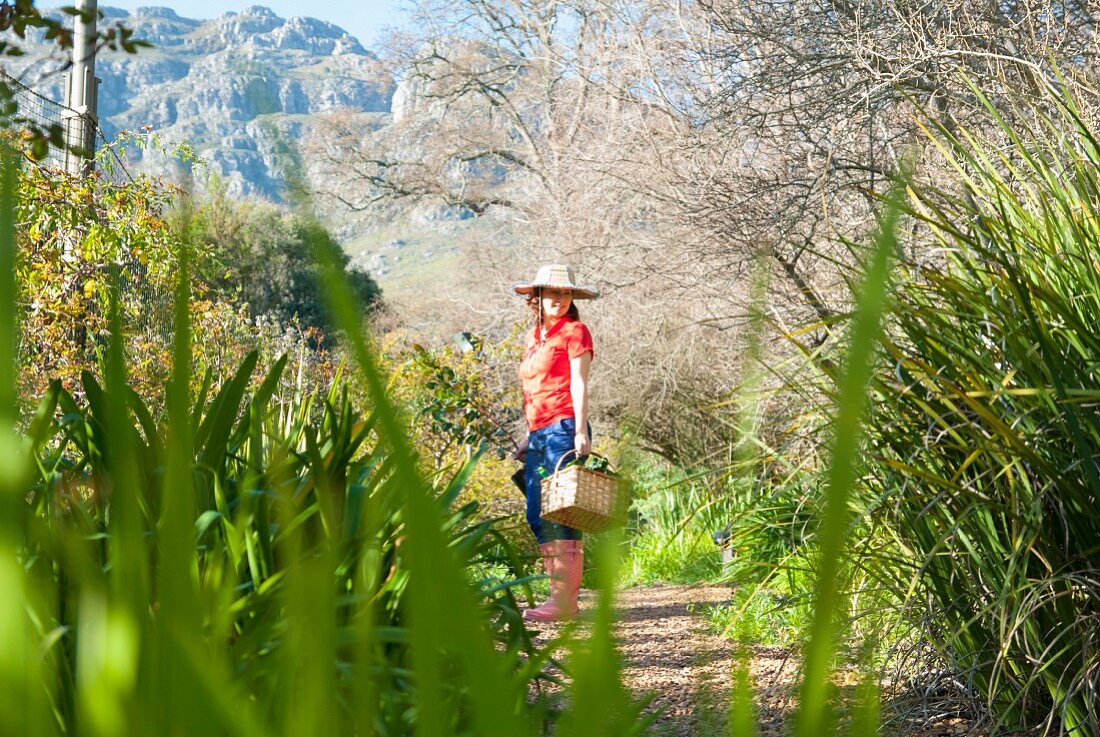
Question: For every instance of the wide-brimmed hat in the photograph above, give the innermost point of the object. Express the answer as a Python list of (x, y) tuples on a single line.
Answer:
[(558, 276)]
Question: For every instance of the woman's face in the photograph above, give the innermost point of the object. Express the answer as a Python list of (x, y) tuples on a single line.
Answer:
[(555, 303)]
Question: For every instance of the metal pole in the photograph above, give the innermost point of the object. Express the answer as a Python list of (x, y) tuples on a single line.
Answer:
[(82, 93)]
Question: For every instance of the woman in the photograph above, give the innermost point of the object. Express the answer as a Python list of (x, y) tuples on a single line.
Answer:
[(554, 373)]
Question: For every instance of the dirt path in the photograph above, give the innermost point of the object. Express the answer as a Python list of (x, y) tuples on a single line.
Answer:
[(669, 652), (670, 655)]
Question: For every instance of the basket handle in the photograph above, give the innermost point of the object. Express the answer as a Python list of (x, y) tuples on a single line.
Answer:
[(573, 451)]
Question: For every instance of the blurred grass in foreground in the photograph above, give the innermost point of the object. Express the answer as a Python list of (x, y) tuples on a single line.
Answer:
[(235, 567)]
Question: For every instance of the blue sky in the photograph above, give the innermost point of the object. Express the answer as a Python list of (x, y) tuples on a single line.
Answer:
[(364, 19)]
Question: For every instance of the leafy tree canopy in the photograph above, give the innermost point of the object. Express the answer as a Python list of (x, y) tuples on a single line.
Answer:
[(267, 259)]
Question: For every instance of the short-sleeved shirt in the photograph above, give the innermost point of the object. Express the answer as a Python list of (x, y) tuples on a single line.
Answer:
[(545, 371)]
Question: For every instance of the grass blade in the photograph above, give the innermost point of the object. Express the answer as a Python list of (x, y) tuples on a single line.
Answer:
[(814, 709)]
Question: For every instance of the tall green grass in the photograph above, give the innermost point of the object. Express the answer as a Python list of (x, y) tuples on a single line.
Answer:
[(985, 431), (673, 518)]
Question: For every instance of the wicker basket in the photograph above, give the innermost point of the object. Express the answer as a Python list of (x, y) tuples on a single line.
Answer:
[(578, 497)]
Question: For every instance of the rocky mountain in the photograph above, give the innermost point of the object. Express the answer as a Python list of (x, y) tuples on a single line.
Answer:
[(257, 97), (245, 89)]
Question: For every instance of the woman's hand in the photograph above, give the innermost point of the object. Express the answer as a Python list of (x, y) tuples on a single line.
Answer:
[(582, 444), (521, 449)]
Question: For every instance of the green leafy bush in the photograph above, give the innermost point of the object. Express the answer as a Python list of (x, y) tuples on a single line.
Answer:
[(78, 237), (82, 241), (458, 405), (264, 258)]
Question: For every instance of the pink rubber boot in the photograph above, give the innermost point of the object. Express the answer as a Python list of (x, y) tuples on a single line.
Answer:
[(572, 570), (548, 611), (564, 561)]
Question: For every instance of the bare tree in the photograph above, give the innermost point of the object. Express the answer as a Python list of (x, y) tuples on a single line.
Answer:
[(670, 147)]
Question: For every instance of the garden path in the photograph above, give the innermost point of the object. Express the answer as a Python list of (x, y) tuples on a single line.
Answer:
[(671, 655), (670, 652)]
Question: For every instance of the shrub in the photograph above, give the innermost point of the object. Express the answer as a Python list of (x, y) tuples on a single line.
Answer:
[(258, 256), (78, 239), (985, 434)]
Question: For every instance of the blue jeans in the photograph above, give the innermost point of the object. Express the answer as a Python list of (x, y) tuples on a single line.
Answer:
[(545, 448)]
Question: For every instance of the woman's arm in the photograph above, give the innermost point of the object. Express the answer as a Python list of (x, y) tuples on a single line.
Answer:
[(578, 388)]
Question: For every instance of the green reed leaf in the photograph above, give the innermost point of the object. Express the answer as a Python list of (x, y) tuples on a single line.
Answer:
[(814, 709)]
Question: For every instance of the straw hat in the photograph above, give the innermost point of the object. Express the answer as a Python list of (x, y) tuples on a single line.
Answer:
[(558, 276)]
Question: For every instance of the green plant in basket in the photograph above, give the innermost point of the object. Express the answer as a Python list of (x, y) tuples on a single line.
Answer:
[(594, 462)]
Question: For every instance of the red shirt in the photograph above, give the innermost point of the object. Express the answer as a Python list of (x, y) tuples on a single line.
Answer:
[(545, 371)]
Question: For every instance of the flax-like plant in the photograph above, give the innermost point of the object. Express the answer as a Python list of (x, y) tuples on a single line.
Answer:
[(986, 431), (235, 565)]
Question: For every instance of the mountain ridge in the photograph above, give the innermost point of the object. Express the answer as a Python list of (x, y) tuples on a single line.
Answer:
[(252, 94), (241, 88)]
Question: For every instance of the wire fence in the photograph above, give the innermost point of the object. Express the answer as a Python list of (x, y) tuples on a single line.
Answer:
[(34, 109), (148, 308)]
